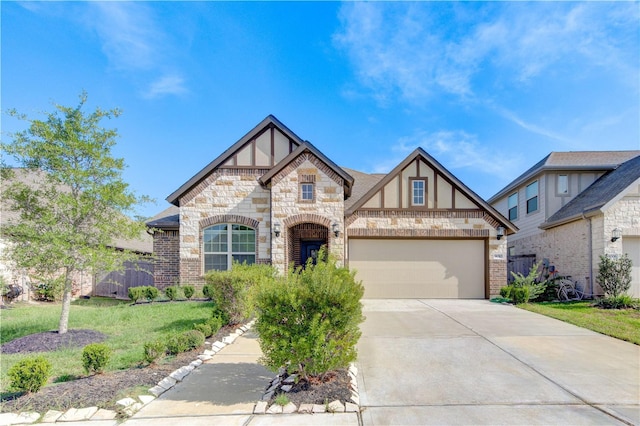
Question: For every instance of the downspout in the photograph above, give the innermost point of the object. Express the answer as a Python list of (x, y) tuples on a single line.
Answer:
[(590, 248)]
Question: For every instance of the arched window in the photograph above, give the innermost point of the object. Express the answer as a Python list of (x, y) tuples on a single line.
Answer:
[(226, 242)]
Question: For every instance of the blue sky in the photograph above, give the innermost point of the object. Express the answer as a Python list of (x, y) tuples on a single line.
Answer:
[(488, 89)]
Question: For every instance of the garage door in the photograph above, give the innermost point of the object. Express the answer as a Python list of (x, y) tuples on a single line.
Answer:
[(419, 268), (631, 246)]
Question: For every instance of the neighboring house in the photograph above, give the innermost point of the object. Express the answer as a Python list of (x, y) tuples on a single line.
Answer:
[(572, 207), (84, 282), (416, 232)]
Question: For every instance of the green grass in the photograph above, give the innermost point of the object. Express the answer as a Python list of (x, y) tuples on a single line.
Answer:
[(622, 324), (127, 327)]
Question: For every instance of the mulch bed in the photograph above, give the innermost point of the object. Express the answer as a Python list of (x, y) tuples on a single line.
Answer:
[(334, 385), (50, 341)]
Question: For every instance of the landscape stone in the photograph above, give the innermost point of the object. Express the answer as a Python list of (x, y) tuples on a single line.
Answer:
[(51, 416), (335, 407), (132, 409), (353, 369), (350, 408), (291, 378), (196, 363), (28, 417), (275, 409), (180, 373), (267, 396), (319, 408), (239, 331), (273, 388), (157, 390), (208, 352), (229, 339), (78, 414), (218, 344), (244, 328), (286, 388), (145, 399), (305, 408), (205, 357), (8, 418), (167, 383), (355, 398), (289, 408), (260, 408), (103, 414), (125, 402)]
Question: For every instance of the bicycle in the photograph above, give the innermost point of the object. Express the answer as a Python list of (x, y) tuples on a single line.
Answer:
[(568, 290)]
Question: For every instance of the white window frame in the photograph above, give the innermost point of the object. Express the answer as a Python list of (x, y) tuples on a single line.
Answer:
[(558, 185), (312, 192), (229, 253), (414, 196), (536, 196), (509, 206)]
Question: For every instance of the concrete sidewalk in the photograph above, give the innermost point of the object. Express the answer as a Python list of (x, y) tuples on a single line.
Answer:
[(224, 391)]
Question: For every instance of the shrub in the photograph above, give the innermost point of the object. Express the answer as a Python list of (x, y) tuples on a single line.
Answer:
[(216, 321), (30, 374), (185, 341), (534, 287), (310, 319), (520, 295), (231, 290), (150, 293), (614, 275), (506, 291), (154, 350), (95, 357), (48, 291), (204, 328), (207, 291), (135, 293), (188, 291), (171, 293), (623, 301)]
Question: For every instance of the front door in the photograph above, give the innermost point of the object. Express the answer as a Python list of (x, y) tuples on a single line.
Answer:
[(309, 249)]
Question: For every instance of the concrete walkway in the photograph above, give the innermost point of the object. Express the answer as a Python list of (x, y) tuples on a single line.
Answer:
[(476, 362)]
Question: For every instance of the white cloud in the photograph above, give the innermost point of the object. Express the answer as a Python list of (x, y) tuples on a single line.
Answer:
[(166, 85)]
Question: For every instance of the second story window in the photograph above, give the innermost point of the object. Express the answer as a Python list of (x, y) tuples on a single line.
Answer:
[(513, 206), (417, 195), (306, 192), (532, 197), (563, 184)]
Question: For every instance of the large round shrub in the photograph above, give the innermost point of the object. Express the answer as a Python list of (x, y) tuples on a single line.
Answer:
[(30, 374), (95, 357)]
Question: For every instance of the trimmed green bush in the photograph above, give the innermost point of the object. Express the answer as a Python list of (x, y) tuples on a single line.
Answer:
[(171, 293), (216, 322), (30, 374), (135, 293), (185, 341), (150, 293), (520, 295), (95, 357), (623, 301), (194, 338), (614, 275), (207, 291), (154, 350), (188, 291), (534, 287), (204, 328), (309, 320), (506, 292), (231, 290)]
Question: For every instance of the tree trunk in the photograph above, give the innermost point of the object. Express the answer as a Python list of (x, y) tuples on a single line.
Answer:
[(63, 325)]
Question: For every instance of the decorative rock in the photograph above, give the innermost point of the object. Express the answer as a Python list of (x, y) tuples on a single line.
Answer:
[(77, 415), (244, 328), (291, 379), (273, 387), (229, 339), (350, 408), (286, 388), (335, 407), (125, 402), (281, 371), (267, 396), (157, 391), (319, 408), (305, 408), (208, 352), (196, 363), (167, 383), (51, 416), (260, 408), (145, 399), (275, 409), (8, 418), (239, 332), (181, 373), (103, 414), (355, 398), (28, 417), (205, 357), (289, 408), (132, 409), (353, 369), (218, 344)]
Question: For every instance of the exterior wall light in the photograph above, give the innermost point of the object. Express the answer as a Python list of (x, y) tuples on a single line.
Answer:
[(500, 233), (616, 234), (334, 228), (276, 229)]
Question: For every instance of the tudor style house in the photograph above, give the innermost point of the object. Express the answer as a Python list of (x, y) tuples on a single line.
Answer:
[(272, 197), (572, 207)]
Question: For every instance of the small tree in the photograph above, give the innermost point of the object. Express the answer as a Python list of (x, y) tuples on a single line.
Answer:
[(614, 275), (71, 214), (525, 288)]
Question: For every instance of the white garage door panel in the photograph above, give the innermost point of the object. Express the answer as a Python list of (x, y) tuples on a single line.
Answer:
[(419, 268), (631, 246)]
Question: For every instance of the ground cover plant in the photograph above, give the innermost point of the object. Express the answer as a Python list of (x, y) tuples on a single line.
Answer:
[(120, 325), (622, 324)]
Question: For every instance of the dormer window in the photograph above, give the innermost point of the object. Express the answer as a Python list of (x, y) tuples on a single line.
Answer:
[(307, 188), (417, 192)]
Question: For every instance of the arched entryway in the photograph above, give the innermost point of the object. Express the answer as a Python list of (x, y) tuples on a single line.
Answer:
[(305, 240)]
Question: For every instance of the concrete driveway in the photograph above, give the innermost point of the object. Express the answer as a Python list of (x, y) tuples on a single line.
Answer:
[(477, 362)]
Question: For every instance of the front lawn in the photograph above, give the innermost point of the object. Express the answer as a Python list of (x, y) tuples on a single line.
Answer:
[(622, 324), (127, 327)]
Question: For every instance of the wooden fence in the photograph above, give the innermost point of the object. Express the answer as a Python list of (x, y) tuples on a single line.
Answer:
[(116, 284), (520, 264)]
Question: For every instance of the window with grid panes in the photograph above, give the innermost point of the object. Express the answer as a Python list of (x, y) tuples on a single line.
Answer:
[(227, 242)]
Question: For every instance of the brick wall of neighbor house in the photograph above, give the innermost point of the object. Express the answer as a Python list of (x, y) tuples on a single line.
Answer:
[(437, 224), (328, 207), (226, 195), (166, 247)]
